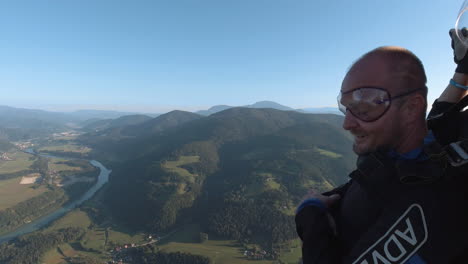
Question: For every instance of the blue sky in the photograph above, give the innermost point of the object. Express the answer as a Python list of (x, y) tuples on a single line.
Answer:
[(155, 56)]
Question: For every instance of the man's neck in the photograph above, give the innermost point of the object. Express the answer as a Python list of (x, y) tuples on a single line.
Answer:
[(412, 140)]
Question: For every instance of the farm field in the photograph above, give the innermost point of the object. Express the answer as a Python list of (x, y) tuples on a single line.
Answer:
[(94, 239), (69, 147), (175, 166), (60, 254), (184, 239), (58, 165), (12, 192), (219, 251), (75, 218), (21, 161)]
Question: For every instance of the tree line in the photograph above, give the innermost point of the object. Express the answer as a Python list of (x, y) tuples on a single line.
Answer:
[(249, 219), (140, 256), (31, 209), (30, 248)]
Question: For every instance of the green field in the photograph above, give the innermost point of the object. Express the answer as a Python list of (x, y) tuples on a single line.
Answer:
[(12, 192), (75, 218), (184, 239), (21, 161), (320, 151), (293, 254), (319, 186), (328, 153), (57, 166), (175, 166), (220, 251), (58, 254), (78, 218), (94, 239), (66, 148)]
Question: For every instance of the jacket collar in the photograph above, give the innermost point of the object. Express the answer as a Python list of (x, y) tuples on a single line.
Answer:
[(377, 170)]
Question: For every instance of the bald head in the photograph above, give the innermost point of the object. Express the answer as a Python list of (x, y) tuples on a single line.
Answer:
[(401, 64)]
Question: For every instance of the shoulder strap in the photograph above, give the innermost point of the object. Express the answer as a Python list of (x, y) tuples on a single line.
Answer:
[(448, 130), (456, 153)]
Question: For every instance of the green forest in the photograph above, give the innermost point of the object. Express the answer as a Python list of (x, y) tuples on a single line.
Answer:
[(251, 169)]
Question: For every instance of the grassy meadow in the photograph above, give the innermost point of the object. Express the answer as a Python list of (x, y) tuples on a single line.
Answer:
[(184, 239), (57, 165), (12, 192), (21, 161), (175, 166), (219, 251), (69, 147)]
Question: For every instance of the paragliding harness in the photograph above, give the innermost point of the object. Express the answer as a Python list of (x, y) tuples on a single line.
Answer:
[(450, 129)]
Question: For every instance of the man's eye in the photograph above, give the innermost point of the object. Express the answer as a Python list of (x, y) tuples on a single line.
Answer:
[(362, 113)]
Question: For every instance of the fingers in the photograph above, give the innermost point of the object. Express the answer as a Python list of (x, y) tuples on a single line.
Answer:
[(459, 47), (451, 34), (463, 32)]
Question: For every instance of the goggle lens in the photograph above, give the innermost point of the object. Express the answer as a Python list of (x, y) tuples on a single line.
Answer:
[(366, 104)]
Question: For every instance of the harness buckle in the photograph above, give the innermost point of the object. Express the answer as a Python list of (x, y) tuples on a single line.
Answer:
[(457, 153)]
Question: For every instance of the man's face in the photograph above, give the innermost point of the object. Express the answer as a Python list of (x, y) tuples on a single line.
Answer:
[(385, 132)]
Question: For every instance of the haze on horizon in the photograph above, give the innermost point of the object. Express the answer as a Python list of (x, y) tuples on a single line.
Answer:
[(157, 56)]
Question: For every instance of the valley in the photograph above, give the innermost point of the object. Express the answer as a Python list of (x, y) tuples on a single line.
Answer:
[(209, 189)]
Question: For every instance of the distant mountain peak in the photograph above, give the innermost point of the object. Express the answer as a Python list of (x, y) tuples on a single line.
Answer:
[(177, 112), (270, 104), (266, 102), (168, 120), (213, 109), (219, 107), (260, 104)]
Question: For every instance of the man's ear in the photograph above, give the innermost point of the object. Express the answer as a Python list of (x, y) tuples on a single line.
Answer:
[(415, 107)]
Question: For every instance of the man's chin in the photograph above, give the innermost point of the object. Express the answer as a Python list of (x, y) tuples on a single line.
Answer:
[(360, 150)]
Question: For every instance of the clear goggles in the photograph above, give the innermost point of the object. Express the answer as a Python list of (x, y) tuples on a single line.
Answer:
[(368, 103)]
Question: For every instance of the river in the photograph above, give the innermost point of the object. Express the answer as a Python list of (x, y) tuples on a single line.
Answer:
[(44, 220)]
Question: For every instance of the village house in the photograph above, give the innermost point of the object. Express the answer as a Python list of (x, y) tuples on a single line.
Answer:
[(5, 156)]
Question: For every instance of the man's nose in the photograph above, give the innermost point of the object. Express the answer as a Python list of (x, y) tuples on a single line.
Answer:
[(349, 121)]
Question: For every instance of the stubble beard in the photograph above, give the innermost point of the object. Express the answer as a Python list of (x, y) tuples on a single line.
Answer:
[(360, 152)]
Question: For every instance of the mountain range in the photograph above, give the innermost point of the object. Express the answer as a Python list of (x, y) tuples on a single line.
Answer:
[(23, 124), (272, 105)]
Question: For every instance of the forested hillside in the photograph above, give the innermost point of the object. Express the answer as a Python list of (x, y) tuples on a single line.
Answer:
[(239, 173), (128, 120), (112, 142)]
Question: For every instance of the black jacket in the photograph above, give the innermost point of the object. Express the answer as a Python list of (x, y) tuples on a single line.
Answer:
[(391, 211)]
